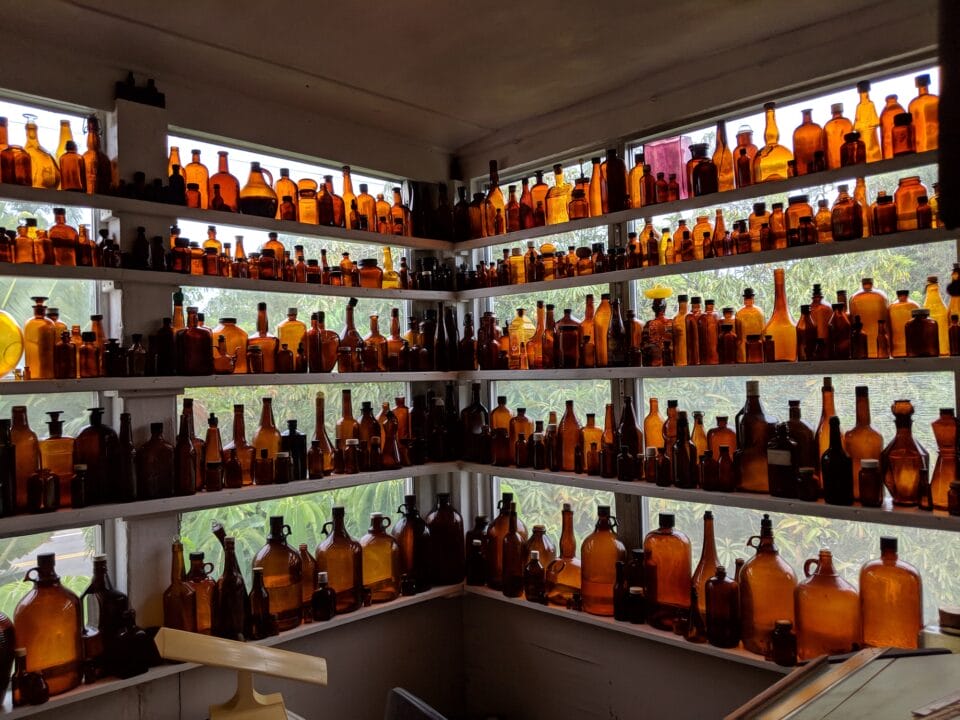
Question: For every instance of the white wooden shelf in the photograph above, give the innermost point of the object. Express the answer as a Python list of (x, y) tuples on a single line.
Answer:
[(752, 370), (875, 242), (28, 524), (176, 383), (897, 164), (170, 213), (88, 692), (886, 515), (646, 632), (174, 280)]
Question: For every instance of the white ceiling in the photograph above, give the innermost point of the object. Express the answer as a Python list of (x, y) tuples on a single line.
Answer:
[(447, 73)]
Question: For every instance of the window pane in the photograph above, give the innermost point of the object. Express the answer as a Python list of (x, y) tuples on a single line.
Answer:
[(305, 514), (540, 503), (935, 553), (74, 549), (295, 402)]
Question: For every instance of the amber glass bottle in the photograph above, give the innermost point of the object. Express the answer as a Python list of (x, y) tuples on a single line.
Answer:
[(770, 162), (708, 562), (926, 119), (862, 441), (754, 432), (827, 610), (945, 470), (205, 592), (836, 469), (904, 463), (381, 560), (282, 575), (669, 549), (341, 557), (244, 452), (722, 612), (563, 576), (39, 338), (413, 537), (267, 437), (495, 534), (568, 439), (179, 599), (233, 604), (600, 552), (833, 132), (512, 554), (446, 540), (49, 623), (891, 600), (808, 139), (781, 325), (96, 162), (767, 586)]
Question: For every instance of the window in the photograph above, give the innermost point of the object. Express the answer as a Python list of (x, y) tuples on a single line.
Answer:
[(76, 300)]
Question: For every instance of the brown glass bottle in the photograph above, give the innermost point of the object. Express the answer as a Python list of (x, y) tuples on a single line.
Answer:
[(600, 552), (708, 563), (282, 575), (670, 550), (828, 611), (512, 556), (205, 592), (446, 541), (754, 430), (49, 623), (722, 612), (381, 561), (341, 557), (904, 462), (495, 534), (891, 600), (767, 586), (233, 604), (413, 537), (179, 599)]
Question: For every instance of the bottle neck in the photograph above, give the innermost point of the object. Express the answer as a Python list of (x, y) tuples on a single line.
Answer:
[(828, 408), (780, 292), (266, 415), (262, 323), (863, 410), (347, 403), (222, 167), (771, 133), (176, 564)]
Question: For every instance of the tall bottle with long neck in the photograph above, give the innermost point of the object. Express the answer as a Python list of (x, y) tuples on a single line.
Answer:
[(267, 436), (238, 445), (862, 441), (781, 325), (707, 566), (770, 162), (723, 159), (321, 441), (563, 574), (754, 430), (767, 585), (267, 342), (495, 201), (233, 602), (827, 411)]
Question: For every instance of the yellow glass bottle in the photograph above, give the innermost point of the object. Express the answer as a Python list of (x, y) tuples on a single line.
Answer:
[(933, 302), (770, 162), (557, 198), (867, 122), (926, 120)]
